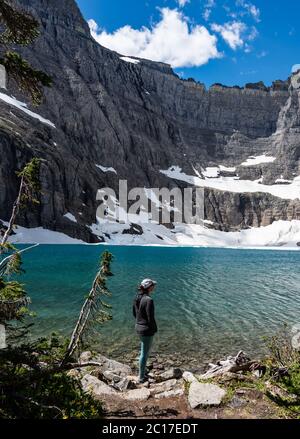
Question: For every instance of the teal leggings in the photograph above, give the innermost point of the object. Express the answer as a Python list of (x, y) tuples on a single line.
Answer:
[(146, 343)]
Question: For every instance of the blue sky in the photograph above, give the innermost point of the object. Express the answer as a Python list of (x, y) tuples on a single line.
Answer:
[(227, 41)]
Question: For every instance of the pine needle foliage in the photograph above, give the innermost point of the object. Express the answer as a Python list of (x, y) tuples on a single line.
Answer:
[(30, 175), (28, 79), (28, 191), (13, 300), (95, 310), (28, 390), (20, 28)]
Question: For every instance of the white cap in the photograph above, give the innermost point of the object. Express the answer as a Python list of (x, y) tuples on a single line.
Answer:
[(147, 283)]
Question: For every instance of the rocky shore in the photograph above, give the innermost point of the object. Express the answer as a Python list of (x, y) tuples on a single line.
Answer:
[(231, 388)]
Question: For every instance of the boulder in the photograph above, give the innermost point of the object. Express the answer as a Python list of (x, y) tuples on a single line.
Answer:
[(141, 394), (204, 394), (237, 402), (111, 376), (106, 364), (163, 387), (169, 374), (169, 393), (189, 377), (95, 387), (125, 384)]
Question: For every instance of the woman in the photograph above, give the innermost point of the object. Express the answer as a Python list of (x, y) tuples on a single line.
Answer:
[(145, 326)]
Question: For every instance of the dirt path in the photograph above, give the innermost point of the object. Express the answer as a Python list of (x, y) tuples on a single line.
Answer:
[(244, 404)]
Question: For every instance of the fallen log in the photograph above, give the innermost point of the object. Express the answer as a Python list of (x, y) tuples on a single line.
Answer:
[(233, 364)]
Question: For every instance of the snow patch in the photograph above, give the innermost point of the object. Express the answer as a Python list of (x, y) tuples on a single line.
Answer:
[(252, 161), (227, 169), (279, 235), (130, 60), (283, 235), (106, 169), (282, 180), (234, 184), (23, 107), (70, 217), (39, 235), (212, 172)]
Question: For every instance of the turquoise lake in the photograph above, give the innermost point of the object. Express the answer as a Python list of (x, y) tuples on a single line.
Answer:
[(209, 302)]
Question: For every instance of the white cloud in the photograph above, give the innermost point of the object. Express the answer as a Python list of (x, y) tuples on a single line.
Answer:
[(262, 54), (210, 4), (251, 9), (253, 34), (248, 48), (182, 3), (172, 40), (231, 33), (236, 34)]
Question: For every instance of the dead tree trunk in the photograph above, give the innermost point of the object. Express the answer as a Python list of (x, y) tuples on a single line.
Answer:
[(91, 305), (14, 213)]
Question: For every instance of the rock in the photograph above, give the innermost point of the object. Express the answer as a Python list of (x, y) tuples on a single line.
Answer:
[(111, 376), (107, 365), (118, 382), (141, 394), (96, 387), (204, 394), (163, 387), (85, 357), (230, 376), (280, 394), (237, 402), (125, 384), (189, 377), (158, 366), (169, 374), (169, 394)]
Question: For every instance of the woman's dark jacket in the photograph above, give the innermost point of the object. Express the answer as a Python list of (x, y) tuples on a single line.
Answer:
[(143, 311)]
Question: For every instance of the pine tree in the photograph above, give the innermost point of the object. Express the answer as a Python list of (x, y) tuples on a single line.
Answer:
[(13, 298), (33, 381), (20, 28)]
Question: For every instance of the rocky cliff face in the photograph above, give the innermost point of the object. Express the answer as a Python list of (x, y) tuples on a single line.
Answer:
[(139, 118)]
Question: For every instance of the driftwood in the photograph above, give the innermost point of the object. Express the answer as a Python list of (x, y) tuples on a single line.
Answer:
[(233, 364)]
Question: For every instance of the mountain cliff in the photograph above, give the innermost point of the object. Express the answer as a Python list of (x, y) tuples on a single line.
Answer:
[(108, 117)]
